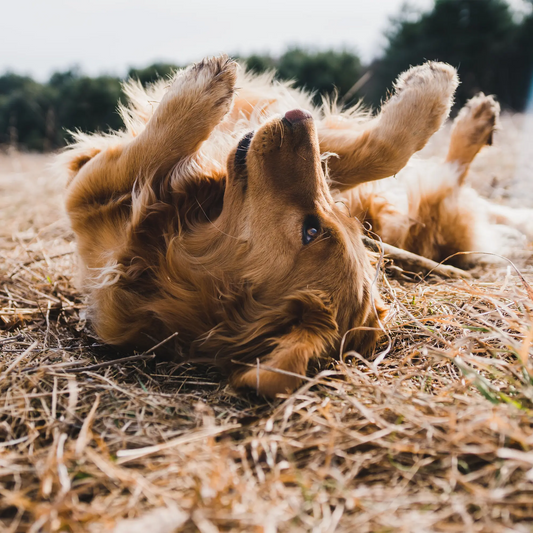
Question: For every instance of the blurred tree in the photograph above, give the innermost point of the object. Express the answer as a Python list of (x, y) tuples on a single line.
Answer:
[(37, 116), (10, 82), (320, 72), (491, 47), (153, 72), (520, 62), (85, 103), (24, 105), (474, 36), (258, 63)]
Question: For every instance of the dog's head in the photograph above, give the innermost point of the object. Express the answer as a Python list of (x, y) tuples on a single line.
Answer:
[(295, 253)]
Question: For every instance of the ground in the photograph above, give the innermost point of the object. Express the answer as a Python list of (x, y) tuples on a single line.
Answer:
[(437, 437)]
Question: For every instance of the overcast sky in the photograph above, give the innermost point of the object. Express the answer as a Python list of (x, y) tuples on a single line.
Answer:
[(38, 37)]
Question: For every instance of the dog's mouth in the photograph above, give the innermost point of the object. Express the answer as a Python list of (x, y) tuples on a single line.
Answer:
[(291, 120), (283, 155), (242, 149)]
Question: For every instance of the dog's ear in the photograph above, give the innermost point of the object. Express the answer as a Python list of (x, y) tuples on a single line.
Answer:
[(282, 371), (80, 159), (85, 147), (311, 333), (74, 158)]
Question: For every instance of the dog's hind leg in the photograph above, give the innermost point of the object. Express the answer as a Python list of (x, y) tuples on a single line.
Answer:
[(421, 103), (445, 216), (473, 128)]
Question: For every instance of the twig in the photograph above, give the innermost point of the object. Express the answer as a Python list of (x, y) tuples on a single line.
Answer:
[(145, 355), (15, 338), (356, 86), (136, 453), (38, 259), (525, 284), (414, 261), (90, 368), (19, 359)]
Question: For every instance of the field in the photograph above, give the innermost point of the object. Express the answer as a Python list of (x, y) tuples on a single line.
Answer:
[(437, 437)]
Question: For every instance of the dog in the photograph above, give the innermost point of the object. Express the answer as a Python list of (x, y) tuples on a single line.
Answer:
[(229, 213)]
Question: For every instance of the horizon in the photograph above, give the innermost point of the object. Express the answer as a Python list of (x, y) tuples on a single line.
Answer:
[(88, 36), (181, 34)]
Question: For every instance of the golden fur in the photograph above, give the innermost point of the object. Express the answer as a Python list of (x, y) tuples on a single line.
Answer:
[(182, 228)]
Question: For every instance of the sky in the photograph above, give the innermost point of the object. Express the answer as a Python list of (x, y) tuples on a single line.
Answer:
[(38, 37)]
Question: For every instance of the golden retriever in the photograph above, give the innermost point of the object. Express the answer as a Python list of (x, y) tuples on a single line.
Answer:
[(230, 211)]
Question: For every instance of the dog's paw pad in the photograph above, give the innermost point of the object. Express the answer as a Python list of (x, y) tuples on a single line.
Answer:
[(478, 119), (213, 75), (220, 69), (423, 99), (431, 77)]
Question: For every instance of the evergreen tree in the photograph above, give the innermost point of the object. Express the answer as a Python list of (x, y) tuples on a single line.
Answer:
[(492, 49), (474, 36), (85, 103), (322, 73), (152, 72)]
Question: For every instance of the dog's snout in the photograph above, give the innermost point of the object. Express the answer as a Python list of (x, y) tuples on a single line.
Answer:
[(297, 115)]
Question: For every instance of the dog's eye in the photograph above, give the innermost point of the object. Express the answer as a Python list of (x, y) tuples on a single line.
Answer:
[(310, 229)]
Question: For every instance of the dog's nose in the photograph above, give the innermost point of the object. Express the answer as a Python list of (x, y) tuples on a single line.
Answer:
[(297, 115)]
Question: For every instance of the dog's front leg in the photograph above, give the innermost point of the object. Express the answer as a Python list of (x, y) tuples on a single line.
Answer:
[(422, 101), (197, 100)]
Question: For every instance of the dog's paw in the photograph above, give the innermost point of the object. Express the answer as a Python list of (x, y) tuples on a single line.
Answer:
[(220, 73), (211, 81), (434, 79), (422, 100), (477, 120)]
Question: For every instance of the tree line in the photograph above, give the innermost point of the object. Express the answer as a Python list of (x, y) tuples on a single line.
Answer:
[(489, 43)]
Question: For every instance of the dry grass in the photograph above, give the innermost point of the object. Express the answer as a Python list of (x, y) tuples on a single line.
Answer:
[(438, 437)]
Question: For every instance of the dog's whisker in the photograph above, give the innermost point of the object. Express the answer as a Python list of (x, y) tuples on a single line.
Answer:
[(319, 240), (213, 224)]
